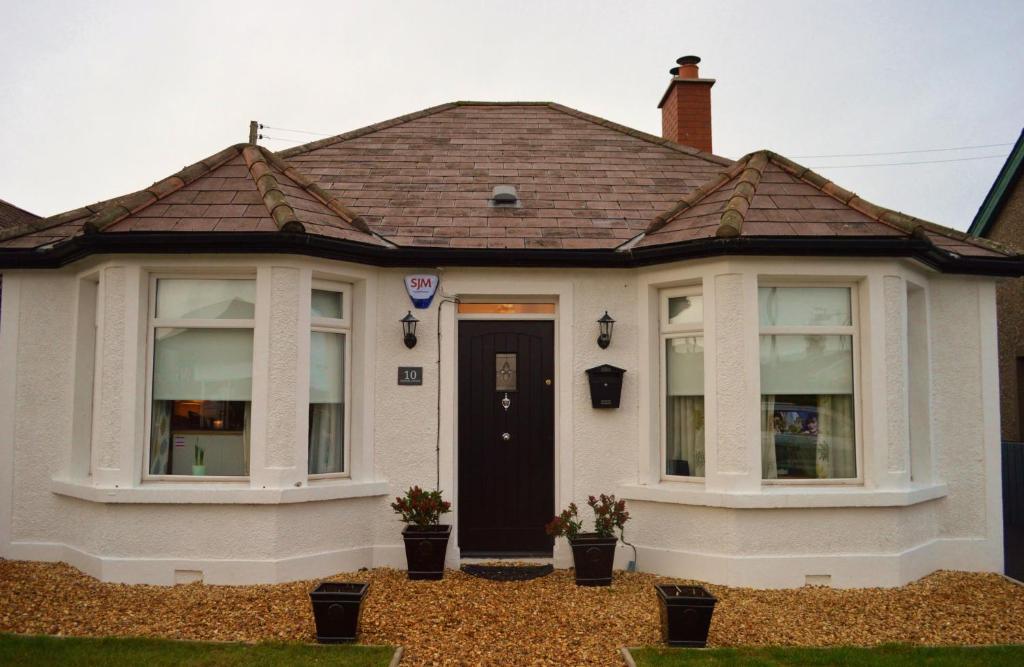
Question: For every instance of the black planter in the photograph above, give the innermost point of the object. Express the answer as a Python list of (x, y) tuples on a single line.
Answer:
[(336, 610), (685, 614), (593, 557), (425, 547)]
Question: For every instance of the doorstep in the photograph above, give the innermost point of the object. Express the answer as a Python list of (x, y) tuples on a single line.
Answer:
[(518, 558)]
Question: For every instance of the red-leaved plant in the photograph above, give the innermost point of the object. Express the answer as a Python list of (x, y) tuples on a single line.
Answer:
[(609, 514), (566, 524), (421, 508)]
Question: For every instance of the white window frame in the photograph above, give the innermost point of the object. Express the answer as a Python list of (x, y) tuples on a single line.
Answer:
[(342, 325), (668, 332), (152, 324), (852, 330)]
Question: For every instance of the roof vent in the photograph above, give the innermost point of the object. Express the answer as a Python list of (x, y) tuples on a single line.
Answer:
[(505, 195)]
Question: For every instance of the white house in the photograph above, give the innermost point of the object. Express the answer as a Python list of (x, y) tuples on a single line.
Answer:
[(810, 390)]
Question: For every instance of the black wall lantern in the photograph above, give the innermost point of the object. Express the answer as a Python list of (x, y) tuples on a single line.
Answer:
[(606, 323), (409, 329)]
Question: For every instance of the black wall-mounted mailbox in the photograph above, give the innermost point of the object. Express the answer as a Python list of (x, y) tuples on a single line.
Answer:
[(605, 385)]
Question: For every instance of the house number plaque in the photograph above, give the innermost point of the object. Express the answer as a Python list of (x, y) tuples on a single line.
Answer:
[(410, 375)]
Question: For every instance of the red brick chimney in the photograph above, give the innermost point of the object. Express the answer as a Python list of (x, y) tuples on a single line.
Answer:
[(686, 106)]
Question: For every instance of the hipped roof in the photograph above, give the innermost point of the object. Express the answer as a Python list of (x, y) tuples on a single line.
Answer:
[(242, 188), (417, 188), (764, 194)]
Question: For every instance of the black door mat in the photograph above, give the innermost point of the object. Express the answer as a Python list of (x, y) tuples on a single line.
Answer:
[(508, 572)]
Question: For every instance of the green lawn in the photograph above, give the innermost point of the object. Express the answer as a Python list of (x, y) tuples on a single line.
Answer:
[(883, 656), (111, 652)]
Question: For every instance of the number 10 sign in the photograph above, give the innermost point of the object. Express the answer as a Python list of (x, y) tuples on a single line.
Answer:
[(410, 375)]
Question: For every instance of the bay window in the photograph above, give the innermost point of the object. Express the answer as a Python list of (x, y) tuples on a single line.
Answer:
[(807, 357), (201, 333), (328, 364), (682, 321)]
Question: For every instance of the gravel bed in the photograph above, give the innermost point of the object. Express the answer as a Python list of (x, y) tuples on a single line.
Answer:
[(467, 620)]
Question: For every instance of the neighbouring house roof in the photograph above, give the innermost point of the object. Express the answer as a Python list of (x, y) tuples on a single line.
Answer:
[(1001, 188), (12, 216), (417, 189)]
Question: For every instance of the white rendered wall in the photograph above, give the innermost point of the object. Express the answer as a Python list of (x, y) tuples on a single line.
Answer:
[(278, 525)]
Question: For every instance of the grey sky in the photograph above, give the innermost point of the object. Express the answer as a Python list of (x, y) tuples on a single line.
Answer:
[(102, 98)]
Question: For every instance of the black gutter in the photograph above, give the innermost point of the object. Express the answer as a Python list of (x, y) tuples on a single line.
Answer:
[(317, 246)]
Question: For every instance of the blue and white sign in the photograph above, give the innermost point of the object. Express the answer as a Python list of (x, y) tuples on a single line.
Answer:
[(421, 288)]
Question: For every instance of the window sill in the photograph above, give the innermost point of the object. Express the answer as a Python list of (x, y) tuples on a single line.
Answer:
[(682, 493), (228, 493)]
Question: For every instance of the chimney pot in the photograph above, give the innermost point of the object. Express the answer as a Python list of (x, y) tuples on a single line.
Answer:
[(687, 68), (686, 106)]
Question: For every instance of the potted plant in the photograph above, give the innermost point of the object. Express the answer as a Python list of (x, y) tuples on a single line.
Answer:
[(685, 614), (336, 610), (426, 541), (593, 554), (199, 461)]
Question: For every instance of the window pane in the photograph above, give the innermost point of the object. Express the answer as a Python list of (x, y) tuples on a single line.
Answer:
[(202, 385), (326, 402), (200, 438), (505, 371), (507, 308), (326, 303), (684, 406), (798, 306), (807, 420), (805, 364), (684, 360), (686, 310), (807, 437), (205, 299), (202, 364)]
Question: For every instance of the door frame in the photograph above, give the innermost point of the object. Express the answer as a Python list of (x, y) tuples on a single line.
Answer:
[(470, 286)]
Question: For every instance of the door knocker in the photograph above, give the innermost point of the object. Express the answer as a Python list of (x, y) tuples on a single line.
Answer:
[(506, 402)]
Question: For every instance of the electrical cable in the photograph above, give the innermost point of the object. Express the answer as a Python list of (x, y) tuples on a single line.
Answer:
[(437, 448), (285, 129), (632, 566), (831, 155), (279, 138), (899, 164), (923, 150)]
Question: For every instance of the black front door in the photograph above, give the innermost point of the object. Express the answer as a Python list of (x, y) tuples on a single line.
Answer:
[(506, 437)]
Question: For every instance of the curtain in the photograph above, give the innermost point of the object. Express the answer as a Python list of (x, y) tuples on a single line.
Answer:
[(160, 442), (685, 437), (326, 446), (246, 437), (769, 466), (836, 455)]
